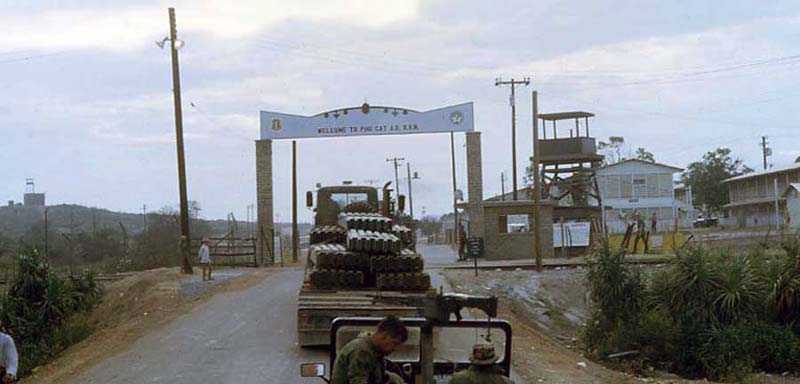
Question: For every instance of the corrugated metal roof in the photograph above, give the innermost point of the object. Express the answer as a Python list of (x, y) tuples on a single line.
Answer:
[(763, 172)]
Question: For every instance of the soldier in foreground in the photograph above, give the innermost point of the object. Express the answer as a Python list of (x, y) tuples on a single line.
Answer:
[(361, 361), (483, 369)]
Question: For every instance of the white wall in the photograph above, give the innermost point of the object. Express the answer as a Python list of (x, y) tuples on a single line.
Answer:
[(641, 186), (793, 204)]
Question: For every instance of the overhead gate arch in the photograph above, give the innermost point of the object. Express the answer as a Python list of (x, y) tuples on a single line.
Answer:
[(364, 120)]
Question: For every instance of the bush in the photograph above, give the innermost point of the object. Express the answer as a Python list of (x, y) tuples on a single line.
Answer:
[(703, 315), (43, 312)]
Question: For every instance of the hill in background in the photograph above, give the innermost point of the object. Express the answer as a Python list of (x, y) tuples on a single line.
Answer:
[(16, 221)]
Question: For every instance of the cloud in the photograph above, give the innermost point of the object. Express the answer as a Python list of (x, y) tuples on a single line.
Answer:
[(132, 28), (663, 57)]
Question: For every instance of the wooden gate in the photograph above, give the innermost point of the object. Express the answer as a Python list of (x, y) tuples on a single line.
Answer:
[(229, 251)]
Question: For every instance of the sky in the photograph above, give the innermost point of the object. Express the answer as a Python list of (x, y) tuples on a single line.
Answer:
[(86, 102)]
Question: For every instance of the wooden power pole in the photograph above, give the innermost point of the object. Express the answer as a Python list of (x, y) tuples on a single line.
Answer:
[(537, 191), (186, 266), (295, 230), (455, 197), (396, 178), (513, 102)]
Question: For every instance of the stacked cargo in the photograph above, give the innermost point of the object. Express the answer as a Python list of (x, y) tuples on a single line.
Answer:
[(327, 234), (366, 250)]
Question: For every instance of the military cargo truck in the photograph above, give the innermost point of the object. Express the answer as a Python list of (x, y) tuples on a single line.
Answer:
[(361, 260)]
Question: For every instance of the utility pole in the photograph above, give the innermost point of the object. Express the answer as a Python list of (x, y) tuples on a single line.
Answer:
[(777, 212), (502, 186), (144, 217), (766, 151), (396, 178), (186, 267), (537, 192), (410, 198), (513, 83), (455, 200), (295, 230)]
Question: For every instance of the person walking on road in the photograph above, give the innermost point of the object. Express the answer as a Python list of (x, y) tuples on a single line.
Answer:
[(361, 361), (205, 258), (482, 369), (9, 360)]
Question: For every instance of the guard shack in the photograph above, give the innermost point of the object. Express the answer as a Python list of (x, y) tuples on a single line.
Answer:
[(509, 229), (364, 120)]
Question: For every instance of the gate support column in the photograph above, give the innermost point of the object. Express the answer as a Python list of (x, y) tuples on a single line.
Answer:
[(475, 185), (265, 224)]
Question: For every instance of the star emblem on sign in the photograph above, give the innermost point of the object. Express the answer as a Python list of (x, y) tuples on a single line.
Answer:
[(456, 117)]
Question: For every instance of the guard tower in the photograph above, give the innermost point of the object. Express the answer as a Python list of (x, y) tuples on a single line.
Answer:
[(568, 159), (31, 198)]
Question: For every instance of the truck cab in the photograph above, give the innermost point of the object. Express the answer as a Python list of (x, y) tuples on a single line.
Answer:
[(331, 201)]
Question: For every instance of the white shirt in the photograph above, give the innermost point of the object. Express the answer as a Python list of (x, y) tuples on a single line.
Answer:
[(8, 354), (203, 253)]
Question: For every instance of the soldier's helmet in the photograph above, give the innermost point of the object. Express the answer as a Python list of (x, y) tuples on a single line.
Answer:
[(483, 354)]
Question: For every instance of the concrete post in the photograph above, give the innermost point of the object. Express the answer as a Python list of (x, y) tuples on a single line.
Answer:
[(264, 206), (475, 185)]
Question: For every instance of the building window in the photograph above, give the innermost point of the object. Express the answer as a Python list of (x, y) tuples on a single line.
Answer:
[(639, 186), (514, 223), (627, 187), (613, 187)]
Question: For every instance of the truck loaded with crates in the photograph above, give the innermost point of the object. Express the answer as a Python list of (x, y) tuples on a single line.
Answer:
[(362, 261)]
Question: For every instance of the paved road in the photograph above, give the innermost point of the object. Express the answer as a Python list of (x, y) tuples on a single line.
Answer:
[(241, 337)]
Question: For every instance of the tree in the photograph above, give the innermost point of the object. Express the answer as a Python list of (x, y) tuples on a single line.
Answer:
[(612, 149), (705, 178), (645, 155), (797, 160)]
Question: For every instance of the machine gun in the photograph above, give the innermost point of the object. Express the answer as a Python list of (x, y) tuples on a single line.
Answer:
[(439, 308)]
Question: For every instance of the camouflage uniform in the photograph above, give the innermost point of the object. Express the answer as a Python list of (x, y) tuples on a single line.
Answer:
[(359, 362), (475, 375)]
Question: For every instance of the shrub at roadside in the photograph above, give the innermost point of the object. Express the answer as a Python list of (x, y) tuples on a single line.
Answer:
[(46, 313), (704, 314)]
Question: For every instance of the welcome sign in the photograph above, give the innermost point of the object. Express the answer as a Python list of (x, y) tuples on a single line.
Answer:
[(367, 120)]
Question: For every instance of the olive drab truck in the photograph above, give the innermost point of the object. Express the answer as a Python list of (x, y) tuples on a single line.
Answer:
[(361, 261)]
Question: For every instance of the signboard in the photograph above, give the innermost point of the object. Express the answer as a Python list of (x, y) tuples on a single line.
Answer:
[(367, 120), (576, 234), (475, 247)]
